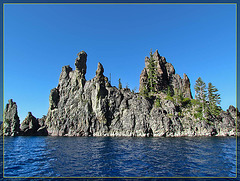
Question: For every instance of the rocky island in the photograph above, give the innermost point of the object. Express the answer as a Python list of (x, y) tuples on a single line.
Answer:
[(164, 107)]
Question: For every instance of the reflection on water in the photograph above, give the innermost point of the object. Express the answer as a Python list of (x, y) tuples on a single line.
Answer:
[(119, 157)]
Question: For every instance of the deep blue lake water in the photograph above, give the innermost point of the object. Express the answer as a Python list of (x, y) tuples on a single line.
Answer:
[(119, 157)]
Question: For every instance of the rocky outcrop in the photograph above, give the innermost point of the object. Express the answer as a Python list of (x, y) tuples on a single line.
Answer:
[(226, 124), (81, 68), (98, 109), (11, 121), (166, 77), (32, 126), (78, 107)]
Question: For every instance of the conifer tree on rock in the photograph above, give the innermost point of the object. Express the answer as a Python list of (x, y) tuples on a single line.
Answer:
[(152, 78), (158, 75), (201, 94), (214, 100)]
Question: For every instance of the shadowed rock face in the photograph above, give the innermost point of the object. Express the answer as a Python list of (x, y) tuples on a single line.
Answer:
[(166, 77), (228, 122), (94, 108), (54, 98), (32, 126), (11, 120), (80, 63)]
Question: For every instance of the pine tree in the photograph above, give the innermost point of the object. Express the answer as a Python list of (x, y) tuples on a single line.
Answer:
[(119, 84), (152, 77), (201, 95), (214, 100)]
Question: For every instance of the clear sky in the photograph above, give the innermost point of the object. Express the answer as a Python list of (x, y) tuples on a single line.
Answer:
[(198, 39)]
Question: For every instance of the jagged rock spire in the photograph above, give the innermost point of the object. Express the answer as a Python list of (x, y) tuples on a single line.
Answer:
[(100, 70), (156, 56), (81, 68), (80, 63), (165, 77), (143, 80), (30, 125), (11, 120), (99, 73), (186, 86)]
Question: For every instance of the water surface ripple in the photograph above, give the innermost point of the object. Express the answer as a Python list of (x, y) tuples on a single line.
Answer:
[(119, 157)]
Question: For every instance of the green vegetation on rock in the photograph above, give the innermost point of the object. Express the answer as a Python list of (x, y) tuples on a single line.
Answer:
[(214, 100), (152, 76)]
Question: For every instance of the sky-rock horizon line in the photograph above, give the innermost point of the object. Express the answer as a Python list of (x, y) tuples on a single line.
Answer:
[(191, 37), (99, 62)]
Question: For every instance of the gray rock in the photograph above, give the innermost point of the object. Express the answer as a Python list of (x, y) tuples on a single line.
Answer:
[(94, 108), (81, 68), (54, 98), (80, 63), (166, 77), (30, 125), (11, 120), (97, 109), (186, 87), (228, 123)]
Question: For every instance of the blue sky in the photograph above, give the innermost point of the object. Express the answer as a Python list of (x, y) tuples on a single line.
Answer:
[(198, 39)]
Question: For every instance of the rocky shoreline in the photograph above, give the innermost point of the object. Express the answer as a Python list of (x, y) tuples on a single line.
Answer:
[(80, 107)]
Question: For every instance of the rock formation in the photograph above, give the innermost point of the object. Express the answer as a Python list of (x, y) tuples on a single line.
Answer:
[(227, 121), (166, 77), (11, 121), (81, 68), (32, 126), (78, 107)]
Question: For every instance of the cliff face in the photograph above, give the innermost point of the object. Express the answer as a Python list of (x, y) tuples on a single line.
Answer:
[(78, 107)]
